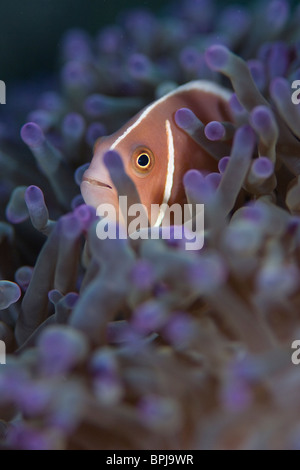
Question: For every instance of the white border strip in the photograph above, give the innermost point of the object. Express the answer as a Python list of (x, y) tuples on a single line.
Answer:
[(170, 175), (201, 85)]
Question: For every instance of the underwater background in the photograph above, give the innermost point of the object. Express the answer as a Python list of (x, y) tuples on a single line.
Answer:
[(118, 344)]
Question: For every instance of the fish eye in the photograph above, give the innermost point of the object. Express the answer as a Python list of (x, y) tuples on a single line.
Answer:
[(143, 161)]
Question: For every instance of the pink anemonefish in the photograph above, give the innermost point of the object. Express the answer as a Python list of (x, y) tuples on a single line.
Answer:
[(156, 153)]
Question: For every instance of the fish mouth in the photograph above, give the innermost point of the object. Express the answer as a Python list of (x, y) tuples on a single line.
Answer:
[(96, 182)]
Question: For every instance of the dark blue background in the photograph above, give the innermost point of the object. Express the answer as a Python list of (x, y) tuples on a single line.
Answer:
[(30, 30)]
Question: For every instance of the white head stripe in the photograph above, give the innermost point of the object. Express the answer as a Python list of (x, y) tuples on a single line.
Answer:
[(170, 174), (201, 85)]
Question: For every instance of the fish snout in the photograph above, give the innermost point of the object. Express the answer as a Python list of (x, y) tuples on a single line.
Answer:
[(97, 187)]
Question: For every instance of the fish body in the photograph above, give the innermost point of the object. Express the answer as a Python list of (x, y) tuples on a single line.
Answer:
[(156, 153)]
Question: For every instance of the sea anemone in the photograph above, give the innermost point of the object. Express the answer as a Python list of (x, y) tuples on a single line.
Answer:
[(140, 344)]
